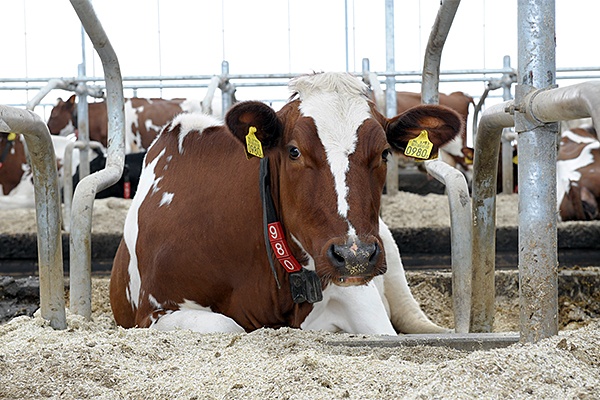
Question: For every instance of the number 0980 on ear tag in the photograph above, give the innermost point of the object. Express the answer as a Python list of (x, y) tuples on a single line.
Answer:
[(419, 147)]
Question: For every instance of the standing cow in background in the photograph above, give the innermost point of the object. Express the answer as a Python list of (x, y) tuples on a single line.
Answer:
[(214, 241), (16, 177), (144, 118)]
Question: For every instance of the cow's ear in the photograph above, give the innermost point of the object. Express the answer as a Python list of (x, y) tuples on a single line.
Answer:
[(439, 124), (255, 118), (71, 100)]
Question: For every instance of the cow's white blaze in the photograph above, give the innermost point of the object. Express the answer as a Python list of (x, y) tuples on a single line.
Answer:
[(130, 231), (566, 170), (338, 108)]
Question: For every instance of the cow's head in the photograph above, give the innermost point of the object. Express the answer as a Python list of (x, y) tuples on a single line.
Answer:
[(61, 121), (329, 149)]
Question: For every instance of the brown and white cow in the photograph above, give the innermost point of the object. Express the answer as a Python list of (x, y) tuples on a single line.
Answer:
[(194, 253), (144, 119), (16, 177), (13, 162), (577, 172)]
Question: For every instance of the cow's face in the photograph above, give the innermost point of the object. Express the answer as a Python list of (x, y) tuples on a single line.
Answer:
[(61, 117), (329, 149)]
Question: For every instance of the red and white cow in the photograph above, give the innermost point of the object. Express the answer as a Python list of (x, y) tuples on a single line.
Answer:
[(144, 119), (577, 172), (16, 178), (194, 253), (16, 188)]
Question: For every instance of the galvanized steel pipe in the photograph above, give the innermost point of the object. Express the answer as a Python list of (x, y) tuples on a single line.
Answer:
[(47, 206), (485, 177), (461, 239), (68, 177), (433, 53), (83, 198), (456, 184), (391, 108), (538, 256), (83, 131)]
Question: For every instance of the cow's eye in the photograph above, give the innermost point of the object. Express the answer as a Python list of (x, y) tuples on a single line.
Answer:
[(294, 153), (385, 154)]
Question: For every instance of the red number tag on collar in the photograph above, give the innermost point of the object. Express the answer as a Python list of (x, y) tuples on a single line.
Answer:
[(281, 249)]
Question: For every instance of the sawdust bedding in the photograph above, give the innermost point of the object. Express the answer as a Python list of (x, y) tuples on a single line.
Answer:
[(99, 360)]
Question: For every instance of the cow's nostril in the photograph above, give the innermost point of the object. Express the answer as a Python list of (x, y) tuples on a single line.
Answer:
[(374, 257), (335, 254)]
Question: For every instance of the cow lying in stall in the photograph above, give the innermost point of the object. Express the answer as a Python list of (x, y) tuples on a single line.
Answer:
[(194, 252), (144, 118), (578, 183)]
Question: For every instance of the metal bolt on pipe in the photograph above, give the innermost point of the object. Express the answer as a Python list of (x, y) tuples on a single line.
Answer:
[(83, 198), (47, 206)]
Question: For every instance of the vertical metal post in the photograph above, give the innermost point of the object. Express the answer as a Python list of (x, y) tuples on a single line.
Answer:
[(508, 183), (83, 124), (226, 87), (47, 209), (82, 112), (456, 184), (390, 91), (83, 199), (538, 259)]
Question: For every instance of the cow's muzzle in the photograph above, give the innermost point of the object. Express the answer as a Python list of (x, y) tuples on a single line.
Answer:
[(356, 262)]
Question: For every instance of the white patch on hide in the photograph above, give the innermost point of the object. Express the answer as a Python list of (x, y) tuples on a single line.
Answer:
[(166, 199), (567, 170), (131, 228), (192, 122)]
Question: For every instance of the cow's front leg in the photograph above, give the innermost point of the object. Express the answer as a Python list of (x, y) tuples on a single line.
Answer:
[(405, 313), (351, 309)]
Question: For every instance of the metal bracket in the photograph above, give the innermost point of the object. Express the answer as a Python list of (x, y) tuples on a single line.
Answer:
[(525, 120)]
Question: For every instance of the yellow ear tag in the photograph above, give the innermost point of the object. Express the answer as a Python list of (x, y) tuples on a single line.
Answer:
[(419, 147), (516, 160), (253, 145), (11, 136)]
